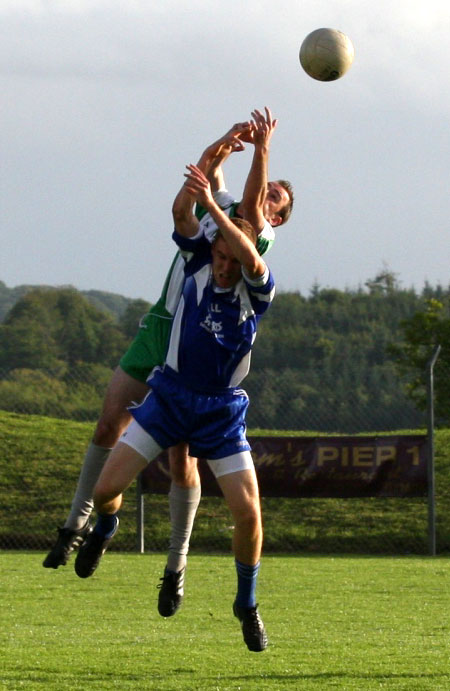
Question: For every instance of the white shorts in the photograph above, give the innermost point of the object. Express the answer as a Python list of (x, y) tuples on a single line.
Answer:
[(142, 442), (231, 464)]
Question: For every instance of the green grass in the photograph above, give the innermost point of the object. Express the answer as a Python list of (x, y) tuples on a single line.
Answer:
[(344, 622)]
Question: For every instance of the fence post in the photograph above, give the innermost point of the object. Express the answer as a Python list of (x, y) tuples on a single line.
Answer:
[(430, 466), (139, 515)]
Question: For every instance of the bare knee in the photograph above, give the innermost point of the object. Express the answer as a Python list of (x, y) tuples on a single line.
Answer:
[(248, 519), (107, 498), (103, 492), (110, 427)]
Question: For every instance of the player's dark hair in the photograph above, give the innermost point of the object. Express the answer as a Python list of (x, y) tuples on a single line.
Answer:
[(244, 226), (286, 211)]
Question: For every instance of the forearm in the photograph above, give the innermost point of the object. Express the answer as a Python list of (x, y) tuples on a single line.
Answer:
[(211, 160), (255, 189), (182, 208), (215, 175), (253, 201), (221, 149), (240, 245), (207, 158)]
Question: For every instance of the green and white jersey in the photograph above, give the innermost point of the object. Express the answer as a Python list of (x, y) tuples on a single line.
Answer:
[(148, 349), (226, 202)]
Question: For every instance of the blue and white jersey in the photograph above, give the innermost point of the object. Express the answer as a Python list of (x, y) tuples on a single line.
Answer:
[(167, 303), (213, 329)]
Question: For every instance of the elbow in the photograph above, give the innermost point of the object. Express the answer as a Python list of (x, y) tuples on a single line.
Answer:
[(178, 213), (255, 270)]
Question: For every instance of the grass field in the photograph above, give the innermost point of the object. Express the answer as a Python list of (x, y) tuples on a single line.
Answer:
[(333, 622)]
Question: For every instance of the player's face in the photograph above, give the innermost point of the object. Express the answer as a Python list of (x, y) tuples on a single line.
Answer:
[(276, 199), (225, 267)]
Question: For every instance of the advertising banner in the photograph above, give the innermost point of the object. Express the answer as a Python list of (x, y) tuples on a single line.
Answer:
[(357, 466)]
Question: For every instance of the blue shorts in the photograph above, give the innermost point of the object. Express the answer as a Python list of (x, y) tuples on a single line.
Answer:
[(212, 424)]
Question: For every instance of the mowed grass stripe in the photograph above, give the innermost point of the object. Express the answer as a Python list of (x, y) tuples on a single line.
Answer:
[(333, 622)]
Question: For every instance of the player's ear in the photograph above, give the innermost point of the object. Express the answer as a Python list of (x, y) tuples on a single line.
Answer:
[(276, 220)]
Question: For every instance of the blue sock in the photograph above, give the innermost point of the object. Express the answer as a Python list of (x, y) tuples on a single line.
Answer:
[(247, 576), (106, 524)]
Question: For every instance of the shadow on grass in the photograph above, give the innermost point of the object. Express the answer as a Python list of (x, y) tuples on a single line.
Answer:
[(325, 676)]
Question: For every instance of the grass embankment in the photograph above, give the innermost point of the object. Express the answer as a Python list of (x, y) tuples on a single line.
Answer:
[(41, 458)]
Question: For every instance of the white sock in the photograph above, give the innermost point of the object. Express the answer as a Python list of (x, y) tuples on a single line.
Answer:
[(183, 503)]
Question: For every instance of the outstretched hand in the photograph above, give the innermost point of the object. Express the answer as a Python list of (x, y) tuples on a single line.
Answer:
[(259, 130), (243, 131), (227, 144), (197, 184), (263, 126)]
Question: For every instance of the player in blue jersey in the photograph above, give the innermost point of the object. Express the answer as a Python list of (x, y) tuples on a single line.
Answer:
[(196, 397), (266, 205)]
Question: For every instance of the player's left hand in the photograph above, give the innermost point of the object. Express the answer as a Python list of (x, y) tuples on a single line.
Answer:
[(264, 126)]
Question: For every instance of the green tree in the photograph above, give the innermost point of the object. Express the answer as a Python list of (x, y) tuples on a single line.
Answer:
[(58, 329), (26, 336), (129, 321), (422, 332)]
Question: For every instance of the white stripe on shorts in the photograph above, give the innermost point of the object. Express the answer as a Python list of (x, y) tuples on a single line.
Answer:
[(141, 441), (231, 464)]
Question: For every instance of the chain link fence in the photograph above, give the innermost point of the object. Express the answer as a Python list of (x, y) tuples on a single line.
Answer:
[(275, 401), (46, 425)]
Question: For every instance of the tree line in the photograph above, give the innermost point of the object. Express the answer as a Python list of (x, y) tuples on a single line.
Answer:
[(336, 361)]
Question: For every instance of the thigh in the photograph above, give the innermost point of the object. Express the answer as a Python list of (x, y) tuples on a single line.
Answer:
[(240, 490), (122, 391), (123, 465), (183, 468)]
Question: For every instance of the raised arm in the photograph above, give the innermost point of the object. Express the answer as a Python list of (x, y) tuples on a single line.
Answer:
[(255, 190), (243, 249), (242, 131), (185, 220)]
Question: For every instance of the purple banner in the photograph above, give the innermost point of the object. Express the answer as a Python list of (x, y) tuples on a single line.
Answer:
[(369, 466)]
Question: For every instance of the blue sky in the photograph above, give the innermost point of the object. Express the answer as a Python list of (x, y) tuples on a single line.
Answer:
[(105, 101)]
